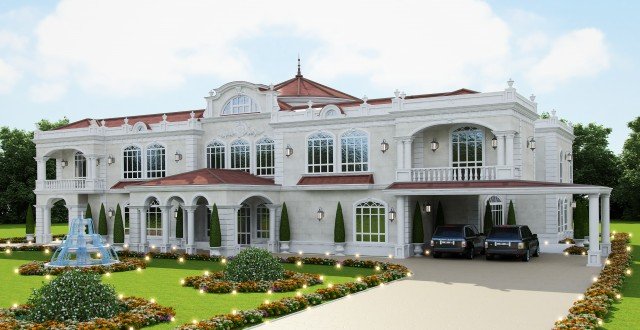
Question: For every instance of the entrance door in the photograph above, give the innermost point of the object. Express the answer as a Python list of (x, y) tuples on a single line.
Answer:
[(244, 225)]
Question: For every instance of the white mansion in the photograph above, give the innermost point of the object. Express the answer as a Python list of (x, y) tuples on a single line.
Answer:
[(255, 147)]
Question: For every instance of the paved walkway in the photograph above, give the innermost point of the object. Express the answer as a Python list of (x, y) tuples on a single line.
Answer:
[(458, 294)]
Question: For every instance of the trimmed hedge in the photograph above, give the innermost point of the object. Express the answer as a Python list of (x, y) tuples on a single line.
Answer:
[(338, 230), (417, 232), (488, 219), (102, 222), (215, 235), (31, 222), (118, 227), (285, 231), (511, 215)]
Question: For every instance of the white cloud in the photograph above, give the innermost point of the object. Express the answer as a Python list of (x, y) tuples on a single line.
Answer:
[(47, 92), (579, 53), (8, 76), (12, 41)]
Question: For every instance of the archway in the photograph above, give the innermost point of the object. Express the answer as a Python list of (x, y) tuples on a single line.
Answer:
[(202, 214), (253, 225)]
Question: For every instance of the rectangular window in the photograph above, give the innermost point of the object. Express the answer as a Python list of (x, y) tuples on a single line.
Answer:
[(215, 155), (132, 163), (156, 161), (240, 156), (354, 151), (244, 225), (262, 222), (265, 164), (320, 153)]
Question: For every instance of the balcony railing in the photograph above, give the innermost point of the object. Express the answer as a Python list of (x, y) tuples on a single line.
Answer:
[(73, 184), (475, 173)]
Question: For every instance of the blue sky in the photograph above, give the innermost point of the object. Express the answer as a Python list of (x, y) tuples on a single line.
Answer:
[(112, 58)]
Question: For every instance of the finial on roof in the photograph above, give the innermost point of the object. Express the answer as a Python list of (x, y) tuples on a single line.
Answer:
[(510, 82), (103, 123), (192, 114), (310, 104), (396, 93), (532, 98), (126, 121), (299, 72)]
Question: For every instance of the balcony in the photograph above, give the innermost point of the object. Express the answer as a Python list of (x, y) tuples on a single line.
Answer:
[(71, 185), (472, 173)]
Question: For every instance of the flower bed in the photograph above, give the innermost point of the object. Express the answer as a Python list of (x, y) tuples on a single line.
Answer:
[(216, 283), (23, 239), (37, 268), (576, 250), (138, 313), (567, 241), (587, 312)]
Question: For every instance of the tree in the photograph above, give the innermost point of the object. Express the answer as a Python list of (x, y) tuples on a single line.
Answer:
[(628, 191), (179, 223), (581, 219), (439, 215), (102, 222), (31, 223), (511, 216), (87, 213), (417, 230), (285, 232), (338, 229), (118, 227), (488, 218), (215, 235)]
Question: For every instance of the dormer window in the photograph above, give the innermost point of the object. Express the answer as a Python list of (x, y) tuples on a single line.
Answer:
[(239, 105)]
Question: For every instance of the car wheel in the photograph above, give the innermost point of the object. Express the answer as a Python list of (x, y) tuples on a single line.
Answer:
[(527, 256), (537, 253), (471, 253)]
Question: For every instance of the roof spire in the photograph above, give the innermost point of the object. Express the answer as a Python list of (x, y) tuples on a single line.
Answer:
[(299, 72)]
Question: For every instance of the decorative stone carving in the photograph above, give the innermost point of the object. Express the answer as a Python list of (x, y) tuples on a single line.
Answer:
[(241, 129)]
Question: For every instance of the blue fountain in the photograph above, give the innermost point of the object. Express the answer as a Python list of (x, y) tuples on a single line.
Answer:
[(82, 247)]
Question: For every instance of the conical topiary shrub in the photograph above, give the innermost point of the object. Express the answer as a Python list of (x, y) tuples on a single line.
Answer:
[(338, 230), (87, 212), (31, 222), (581, 219), (439, 215), (118, 227), (418, 230), (102, 222), (179, 223), (511, 216), (215, 236), (285, 232), (488, 219)]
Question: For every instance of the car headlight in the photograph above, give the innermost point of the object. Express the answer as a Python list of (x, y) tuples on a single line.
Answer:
[(520, 246), (486, 245), (432, 243), (463, 244)]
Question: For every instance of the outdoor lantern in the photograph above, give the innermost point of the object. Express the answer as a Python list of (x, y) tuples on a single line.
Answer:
[(531, 144), (434, 145), (569, 157), (384, 146), (392, 214), (178, 156), (427, 207), (110, 213), (97, 161), (574, 204), (175, 213), (320, 214), (111, 159), (494, 142), (288, 151), (64, 163)]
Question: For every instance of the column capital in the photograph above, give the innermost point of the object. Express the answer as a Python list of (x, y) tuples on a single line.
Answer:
[(403, 138), (189, 208), (498, 133)]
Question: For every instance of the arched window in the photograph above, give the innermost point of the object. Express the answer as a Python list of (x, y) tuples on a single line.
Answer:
[(371, 222), (132, 164), (215, 155), (560, 165), (156, 166), (320, 153), (265, 157), (355, 151), (81, 165), (467, 147), (244, 225), (262, 221), (497, 210), (240, 104), (240, 155), (563, 215), (154, 219), (126, 219)]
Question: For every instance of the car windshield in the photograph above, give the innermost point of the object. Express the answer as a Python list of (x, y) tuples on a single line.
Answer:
[(504, 233), (448, 232)]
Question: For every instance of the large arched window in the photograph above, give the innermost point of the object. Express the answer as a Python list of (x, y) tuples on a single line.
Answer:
[(467, 147), (132, 163), (265, 164), (497, 210), (240, 104), (154, 219), (156, 166), (262, 221), (354, 151), (563, 215), (560, 166), (215, 154), (241, 155), (81, 165), (371, 222), (320, 153), (244, 225)]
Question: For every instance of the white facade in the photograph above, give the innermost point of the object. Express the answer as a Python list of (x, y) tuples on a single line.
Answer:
[(336, 155)]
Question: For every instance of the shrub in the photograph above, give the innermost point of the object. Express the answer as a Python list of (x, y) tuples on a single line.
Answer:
[(285, 233), (581, 219), (102, 222), (488, 219), (31, 222), (511, 216), (215, 236), (253, 264), (576, 250), (73, 296), (87, 213), (179, 223), (118, 227), (338, 230), (417, 234)]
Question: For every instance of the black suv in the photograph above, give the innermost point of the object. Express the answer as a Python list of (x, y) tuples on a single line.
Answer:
[(459, 239), (515, 241)]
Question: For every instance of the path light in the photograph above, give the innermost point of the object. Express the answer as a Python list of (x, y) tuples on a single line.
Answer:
[(494, 142), (392, 214), (223, 260), (16, 270), (320, 214), (288, 151), (182, 281), (384, 146), (434, 145)]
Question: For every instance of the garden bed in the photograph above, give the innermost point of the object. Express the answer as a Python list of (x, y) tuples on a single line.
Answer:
[(216, 283), (37, 268)]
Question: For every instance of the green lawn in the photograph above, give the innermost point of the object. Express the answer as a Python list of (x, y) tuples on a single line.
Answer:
[(161, 281), (626, 314), (18, 230)]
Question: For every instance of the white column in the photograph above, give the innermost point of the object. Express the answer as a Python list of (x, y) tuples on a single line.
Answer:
[(143, 229), (401, 221), (500, 148), (606, 233), (509, 149), (399, 154), (407, 152), (165, 211), (41, 171), (184, 227), (594, 228), (272, 228), (39, 232), (134, 227), (191, 232), (46, 235)]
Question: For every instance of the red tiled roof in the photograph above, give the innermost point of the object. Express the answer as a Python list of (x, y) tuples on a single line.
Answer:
[(208, 176), (147, 119), (123, 184), (336, 179), (479, 184), (299, 86)]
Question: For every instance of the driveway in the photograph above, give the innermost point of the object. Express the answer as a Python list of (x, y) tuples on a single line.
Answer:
[(459, 294)]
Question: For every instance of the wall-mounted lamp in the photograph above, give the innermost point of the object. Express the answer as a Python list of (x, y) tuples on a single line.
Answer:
[(175, 213), (64, 163), (531, 143), (288, 151), (111, 159), (574, 204), (426, 206), (97, 161), (320, 214), (434, 145), (494, 142), (178, 156), (569, 157), (110, 213), (392, 214), (384, 146)]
